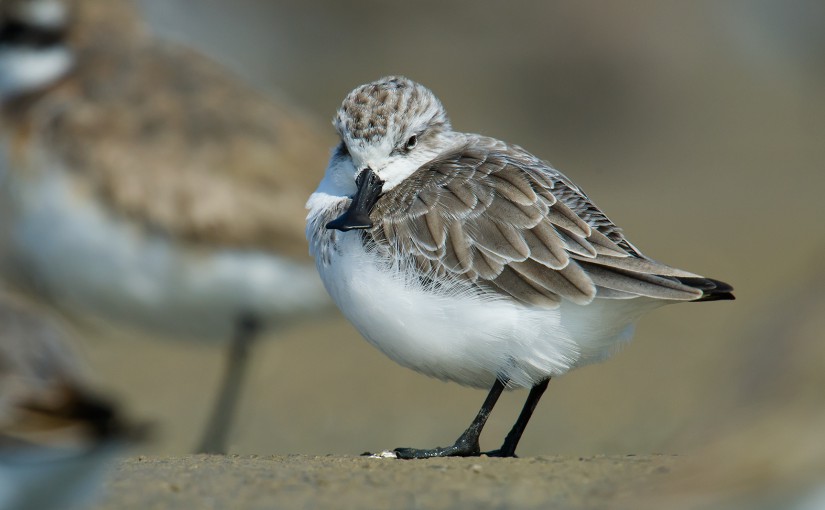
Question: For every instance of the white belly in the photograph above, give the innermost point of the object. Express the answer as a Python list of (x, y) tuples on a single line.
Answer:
[(456, 334), (92, 263)]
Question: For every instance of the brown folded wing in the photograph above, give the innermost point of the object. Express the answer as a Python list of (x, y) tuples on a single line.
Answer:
[(501, 219)]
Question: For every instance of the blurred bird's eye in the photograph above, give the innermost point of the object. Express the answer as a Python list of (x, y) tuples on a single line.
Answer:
[(14, 32), (411, 143)]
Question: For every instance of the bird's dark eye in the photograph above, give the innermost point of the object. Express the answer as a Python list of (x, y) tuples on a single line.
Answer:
[(411, 143)]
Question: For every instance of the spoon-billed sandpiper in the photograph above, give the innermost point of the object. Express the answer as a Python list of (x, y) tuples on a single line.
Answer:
[(469, 259)]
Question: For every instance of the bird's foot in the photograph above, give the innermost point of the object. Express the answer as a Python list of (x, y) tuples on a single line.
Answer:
[(460, 449), (501, 453)]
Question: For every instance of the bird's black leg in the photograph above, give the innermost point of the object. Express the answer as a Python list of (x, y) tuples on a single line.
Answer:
[(466, 445), (508, 449), (214, 439)]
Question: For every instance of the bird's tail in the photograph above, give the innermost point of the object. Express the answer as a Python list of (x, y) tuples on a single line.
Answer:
[(712, 290)]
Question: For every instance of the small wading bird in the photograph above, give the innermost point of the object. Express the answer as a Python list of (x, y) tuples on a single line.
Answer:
[(142, 184), (471, 260), (57, 437)]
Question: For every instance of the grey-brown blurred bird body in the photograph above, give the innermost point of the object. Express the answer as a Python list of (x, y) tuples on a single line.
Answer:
[(142, 183), (57, 438)]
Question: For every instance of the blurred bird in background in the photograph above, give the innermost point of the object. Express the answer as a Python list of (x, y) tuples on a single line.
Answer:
[(141, 184), (57, 437)]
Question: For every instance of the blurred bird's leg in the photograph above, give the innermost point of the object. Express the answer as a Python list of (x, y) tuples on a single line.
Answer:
[(247, 328), (467, 445), (508, 449)]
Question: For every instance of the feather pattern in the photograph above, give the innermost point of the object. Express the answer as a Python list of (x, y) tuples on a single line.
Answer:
[(508, 223)]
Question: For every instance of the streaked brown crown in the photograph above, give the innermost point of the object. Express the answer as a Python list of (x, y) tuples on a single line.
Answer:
[(383, 107)]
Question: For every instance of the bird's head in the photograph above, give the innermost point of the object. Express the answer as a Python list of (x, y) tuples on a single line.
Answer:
[(388, 129)]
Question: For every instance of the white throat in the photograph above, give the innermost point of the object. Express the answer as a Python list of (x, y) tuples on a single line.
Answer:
[(24, 70)]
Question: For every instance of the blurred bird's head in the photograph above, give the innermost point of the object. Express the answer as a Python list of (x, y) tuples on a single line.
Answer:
[(33, 50)]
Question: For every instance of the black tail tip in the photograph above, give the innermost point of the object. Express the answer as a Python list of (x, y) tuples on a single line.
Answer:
[(712, 290)]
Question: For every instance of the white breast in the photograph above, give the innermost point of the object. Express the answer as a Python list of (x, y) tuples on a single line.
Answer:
[(456, 333)]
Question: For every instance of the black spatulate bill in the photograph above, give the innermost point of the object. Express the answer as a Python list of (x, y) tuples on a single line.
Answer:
[(358, 214)]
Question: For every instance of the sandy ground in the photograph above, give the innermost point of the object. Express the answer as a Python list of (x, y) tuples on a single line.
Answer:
[(300, 481)]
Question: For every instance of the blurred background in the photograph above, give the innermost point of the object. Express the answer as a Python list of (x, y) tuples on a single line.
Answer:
[(699, 127)]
